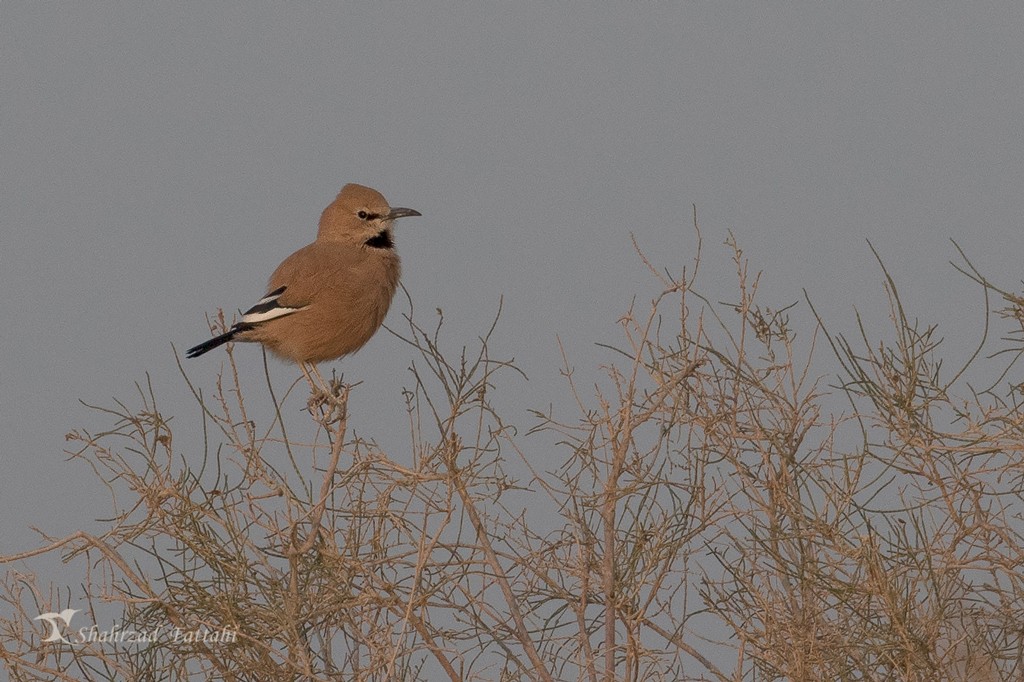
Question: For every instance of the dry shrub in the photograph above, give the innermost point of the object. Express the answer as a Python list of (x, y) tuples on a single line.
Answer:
[(710, 509)]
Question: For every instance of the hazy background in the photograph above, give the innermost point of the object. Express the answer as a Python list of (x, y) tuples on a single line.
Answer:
[(158, 160)]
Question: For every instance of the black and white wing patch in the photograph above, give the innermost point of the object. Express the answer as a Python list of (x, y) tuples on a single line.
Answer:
[(268, 309)]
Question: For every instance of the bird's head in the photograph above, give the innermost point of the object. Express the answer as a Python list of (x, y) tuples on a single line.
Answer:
[(361, 215)]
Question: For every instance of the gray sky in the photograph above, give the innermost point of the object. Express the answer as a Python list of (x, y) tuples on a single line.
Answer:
[(158, 160)]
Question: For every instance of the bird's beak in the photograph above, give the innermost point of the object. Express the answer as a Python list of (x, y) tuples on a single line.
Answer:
[(402, 213)]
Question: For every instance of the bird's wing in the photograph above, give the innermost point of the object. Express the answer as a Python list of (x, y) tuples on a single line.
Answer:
[(269, 308), (313, 269)]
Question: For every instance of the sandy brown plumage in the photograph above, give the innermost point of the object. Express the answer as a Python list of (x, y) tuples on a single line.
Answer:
[(328, 298)]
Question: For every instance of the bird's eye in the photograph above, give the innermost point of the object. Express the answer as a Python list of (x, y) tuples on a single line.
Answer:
[(363, 215)]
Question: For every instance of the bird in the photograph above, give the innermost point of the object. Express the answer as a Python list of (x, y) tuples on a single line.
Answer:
[(328, 298)]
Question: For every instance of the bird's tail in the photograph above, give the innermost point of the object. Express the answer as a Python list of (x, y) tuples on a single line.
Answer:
[(196, 351)]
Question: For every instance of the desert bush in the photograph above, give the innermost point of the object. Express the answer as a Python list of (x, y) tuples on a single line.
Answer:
[(731, 500)]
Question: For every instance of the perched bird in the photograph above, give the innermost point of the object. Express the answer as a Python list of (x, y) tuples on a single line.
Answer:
[(328, 298)]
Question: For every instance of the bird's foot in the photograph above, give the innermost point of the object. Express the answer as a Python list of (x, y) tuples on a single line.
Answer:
[(329, 404)]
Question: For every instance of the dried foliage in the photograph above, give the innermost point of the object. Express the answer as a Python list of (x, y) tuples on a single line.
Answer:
[(709, 510)]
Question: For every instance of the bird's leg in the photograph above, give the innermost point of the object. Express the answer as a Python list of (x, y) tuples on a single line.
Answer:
[(323, 384), (305, 373), (329, 387), (319, 395), (334, 390)]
